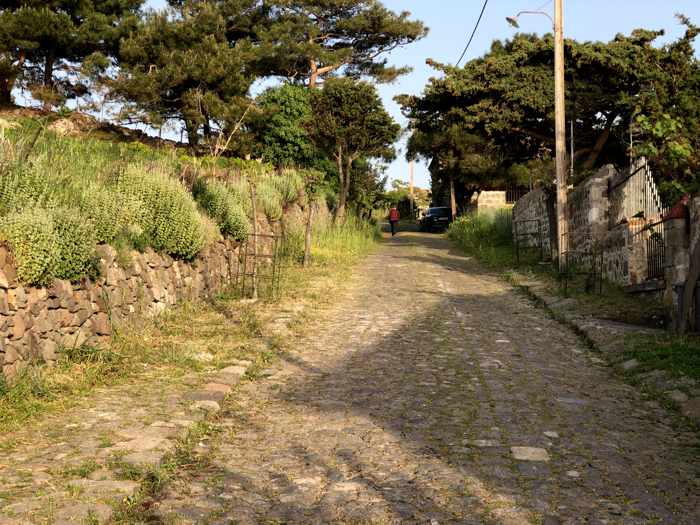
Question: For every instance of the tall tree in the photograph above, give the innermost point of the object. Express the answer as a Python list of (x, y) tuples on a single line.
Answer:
[(505, 98), (280, 127), (181, 65), (349, 123), (43, 41), (307, 40)]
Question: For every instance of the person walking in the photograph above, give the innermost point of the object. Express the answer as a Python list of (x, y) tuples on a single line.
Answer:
[(393, 219)]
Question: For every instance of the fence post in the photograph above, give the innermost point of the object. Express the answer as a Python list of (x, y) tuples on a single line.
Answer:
[(517, 243)]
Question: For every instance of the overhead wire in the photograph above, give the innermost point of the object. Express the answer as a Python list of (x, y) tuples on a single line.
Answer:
[(473, 32)]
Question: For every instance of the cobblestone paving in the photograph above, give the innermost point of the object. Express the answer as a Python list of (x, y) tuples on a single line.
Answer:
[(433, 393)]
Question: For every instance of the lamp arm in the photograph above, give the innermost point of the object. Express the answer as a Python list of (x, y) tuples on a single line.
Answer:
[(536, 13)]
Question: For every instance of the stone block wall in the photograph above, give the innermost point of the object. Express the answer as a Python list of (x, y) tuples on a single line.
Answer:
[(532, 220), (588, 211), (35, 323)]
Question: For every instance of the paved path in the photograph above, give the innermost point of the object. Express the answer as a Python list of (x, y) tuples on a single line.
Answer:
[(433, 393)]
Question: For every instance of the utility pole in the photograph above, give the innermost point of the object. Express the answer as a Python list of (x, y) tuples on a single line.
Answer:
[(560, 130), (411, 166)]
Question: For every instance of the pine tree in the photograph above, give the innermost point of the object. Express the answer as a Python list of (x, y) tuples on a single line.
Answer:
[(43, 42), (183, 65), (309, 40)]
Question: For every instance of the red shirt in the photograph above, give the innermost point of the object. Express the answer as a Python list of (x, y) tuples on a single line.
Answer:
[(394, 215)]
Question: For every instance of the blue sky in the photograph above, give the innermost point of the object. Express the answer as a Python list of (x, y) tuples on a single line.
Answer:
[(451, 22)]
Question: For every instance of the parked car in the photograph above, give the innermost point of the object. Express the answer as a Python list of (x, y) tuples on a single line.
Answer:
[(436, 219)]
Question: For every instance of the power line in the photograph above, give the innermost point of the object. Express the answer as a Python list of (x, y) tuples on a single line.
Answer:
[(473, 32)]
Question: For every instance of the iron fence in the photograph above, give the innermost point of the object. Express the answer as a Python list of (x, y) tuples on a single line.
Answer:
[(634, 200), (527, 235)]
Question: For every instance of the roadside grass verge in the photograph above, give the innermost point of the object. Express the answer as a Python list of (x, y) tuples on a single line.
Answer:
[(192, 336), (679, 356)]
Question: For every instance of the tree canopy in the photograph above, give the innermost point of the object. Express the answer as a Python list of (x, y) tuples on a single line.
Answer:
[(181, 65), (307, 40), (496, 115), (43, 42), (350, 123)]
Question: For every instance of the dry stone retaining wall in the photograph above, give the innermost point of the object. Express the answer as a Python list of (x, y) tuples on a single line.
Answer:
[(35, 323)]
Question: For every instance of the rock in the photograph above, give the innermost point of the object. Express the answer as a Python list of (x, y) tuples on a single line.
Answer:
[(210, 407), (19, 327), (217, 387), (106, 253), (230, 375), (48, 351), (101, 324), (529, 453), (551, 434), (677, 396), (4, 305), (691, 409), (140, 444), (61, 289), (630, 365), (206, 395), (11, 355), (551, 520), (481, 443), (4, 281), (573, 473), (17, 298)]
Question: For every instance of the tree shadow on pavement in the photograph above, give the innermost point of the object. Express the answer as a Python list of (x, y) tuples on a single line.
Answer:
[(404, 406)]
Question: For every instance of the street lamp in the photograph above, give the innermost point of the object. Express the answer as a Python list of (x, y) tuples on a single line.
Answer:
[(559, 119)]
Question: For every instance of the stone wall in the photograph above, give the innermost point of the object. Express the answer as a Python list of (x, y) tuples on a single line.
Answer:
[(35, 323), (533, 220), (588, 212)]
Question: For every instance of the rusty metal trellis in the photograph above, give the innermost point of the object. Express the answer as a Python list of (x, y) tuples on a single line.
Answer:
[(259, 269)]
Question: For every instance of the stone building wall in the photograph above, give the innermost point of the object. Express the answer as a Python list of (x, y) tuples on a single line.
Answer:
[(532, 220), (35, 323)]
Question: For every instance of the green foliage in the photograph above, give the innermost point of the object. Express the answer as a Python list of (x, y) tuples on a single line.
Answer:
[(168, 216), (342, 242), (39, 39), (332, 35), (30, 236), (192, 65), (280, 127), (222, 205), (49, 244), (678, 355), (488, 237), (475, 123), (350, 122)]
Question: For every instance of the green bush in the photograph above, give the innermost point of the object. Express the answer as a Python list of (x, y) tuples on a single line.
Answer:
[(269, 199), (223, 206), (167, 216), (49, 244), (486, 236), (31, 237), (75, 239)]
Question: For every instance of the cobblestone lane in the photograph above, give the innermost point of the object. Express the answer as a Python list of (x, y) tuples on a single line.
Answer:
[(433, 393)]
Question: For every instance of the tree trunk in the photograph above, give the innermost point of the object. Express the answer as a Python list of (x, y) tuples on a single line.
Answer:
[(307, 234), (48, 77), (453, 198), (192, 134), (598, 148), (6, 91), (342, 196), (313, 77)]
